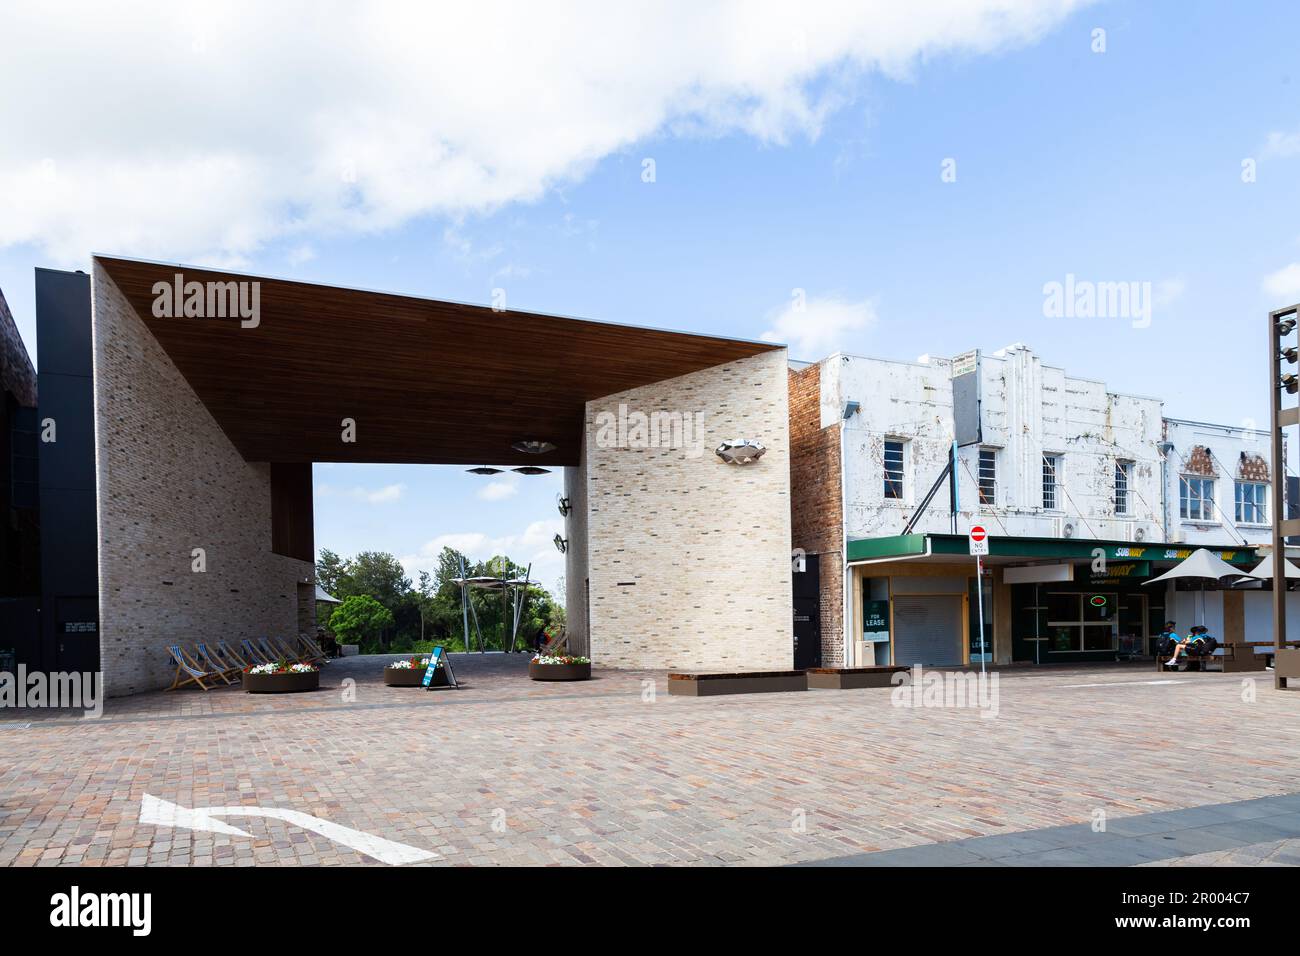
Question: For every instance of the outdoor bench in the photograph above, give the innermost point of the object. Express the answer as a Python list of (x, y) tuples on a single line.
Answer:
[(851, 678), (1231, 658), (747, 682)]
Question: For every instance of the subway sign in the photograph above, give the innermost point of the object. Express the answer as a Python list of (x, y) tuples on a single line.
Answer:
[(1123, 569), (1175, 554)]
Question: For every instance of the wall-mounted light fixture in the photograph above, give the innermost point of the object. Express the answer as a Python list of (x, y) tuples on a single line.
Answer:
[(561, 544), (740, 451), (564, 505)]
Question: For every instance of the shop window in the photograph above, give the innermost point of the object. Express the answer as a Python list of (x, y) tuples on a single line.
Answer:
[(1123, 477), (1081, 621), (893, 469), (1064, 607), (1051, 475), (1252, 507), (1196, 498), (988, 476)]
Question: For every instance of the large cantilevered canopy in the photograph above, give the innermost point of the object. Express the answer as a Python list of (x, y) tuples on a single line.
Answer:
[(425, 381)]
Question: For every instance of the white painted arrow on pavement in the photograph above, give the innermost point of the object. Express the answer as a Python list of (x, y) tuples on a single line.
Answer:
[(164, 814)]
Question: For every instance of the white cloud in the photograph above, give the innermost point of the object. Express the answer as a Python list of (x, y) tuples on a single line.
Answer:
[(1281, 145), (376, 496), (499, 490), (818, 327), (202, 133), (1167, 292), (1284, 283)]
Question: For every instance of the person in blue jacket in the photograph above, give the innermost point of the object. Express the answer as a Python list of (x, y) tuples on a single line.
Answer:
[(1194, 637)]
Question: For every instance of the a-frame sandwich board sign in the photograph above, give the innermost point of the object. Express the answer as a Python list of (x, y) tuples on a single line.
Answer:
[(439, 656)]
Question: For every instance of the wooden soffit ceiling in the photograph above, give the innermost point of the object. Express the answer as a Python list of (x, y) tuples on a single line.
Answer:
[(426, 381)]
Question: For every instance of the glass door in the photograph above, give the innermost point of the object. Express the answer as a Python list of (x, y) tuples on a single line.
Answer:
[(1133, 624)]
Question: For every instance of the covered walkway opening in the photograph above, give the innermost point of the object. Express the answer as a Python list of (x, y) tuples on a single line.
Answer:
[(209, 419)]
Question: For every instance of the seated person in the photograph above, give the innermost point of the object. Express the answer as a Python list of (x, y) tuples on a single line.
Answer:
[(1195, 640), (1168, 640)]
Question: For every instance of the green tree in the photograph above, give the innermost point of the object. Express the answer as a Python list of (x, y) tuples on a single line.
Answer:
[(330, 568), (360, 618), (380, 575)]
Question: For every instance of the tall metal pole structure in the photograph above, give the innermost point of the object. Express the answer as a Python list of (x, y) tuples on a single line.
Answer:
[(1281, 324), (467, 606)]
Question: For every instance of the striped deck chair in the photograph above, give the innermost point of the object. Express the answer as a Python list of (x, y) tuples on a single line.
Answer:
[(229, 654), (210, 659), (185, 664), (271, 652), (555, 643), (252, 654), (287, 650), (314, 653)]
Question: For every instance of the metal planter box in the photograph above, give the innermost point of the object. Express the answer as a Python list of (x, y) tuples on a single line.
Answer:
[(559, 671), (281, 683)]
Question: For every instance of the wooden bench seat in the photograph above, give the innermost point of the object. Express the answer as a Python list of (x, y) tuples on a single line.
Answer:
[(851, 678), (744, 682), (1231, 658)]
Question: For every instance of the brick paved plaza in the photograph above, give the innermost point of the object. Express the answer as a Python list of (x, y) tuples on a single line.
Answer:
[(507, 771)]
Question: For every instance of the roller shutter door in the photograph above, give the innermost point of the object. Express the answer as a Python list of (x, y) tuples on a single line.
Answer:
[(927, 630)]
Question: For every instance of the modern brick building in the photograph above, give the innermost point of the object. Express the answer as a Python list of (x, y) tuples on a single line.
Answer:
[(211, 394)]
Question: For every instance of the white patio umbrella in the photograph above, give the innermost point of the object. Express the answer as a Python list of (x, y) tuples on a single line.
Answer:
[(1205, 566), (1264, 570)]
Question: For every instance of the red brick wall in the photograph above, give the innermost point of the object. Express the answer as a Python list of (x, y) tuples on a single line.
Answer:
[(816, 509)]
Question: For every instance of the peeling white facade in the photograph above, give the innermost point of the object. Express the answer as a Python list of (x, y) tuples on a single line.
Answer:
[(1028, 409), (1228, 455)]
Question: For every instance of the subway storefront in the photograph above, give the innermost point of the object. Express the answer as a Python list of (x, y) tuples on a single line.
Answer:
[(1045, 600)]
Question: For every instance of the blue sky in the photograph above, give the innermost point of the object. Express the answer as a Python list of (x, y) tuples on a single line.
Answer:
[(1117, 166)]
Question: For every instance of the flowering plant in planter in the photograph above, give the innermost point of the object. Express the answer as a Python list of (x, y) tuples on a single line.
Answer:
[(282, 667), (559, 667), (411, 662), (281, 677), (560, 659)]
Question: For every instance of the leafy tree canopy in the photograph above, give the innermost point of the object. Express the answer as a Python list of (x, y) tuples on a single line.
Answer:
[(360, 618)]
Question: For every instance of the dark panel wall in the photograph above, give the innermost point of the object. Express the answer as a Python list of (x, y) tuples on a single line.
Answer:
[(292, 524), (69, 538), (20, 562)]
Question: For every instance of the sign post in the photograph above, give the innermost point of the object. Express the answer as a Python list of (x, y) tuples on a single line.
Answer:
[(979, 547)]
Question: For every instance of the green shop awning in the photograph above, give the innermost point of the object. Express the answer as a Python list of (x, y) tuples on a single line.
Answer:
[(910, 545)]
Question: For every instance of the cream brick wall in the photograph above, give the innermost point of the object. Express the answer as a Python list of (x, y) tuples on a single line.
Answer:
[(170, 481), (690, 557)]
